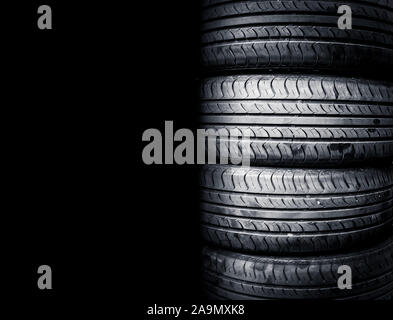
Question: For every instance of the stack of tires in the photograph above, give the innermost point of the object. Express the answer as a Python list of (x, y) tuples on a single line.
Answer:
[(314, 103)]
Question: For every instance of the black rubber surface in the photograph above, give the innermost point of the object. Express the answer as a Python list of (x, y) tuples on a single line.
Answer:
[(304, 35), (294, 210), (234, 276), (300, 120)]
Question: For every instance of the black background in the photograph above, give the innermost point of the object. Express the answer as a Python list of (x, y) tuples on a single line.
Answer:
[(83, 202), (77, 195)]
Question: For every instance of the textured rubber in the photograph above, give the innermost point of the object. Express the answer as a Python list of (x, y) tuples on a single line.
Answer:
[(234, 276), (294, 210), (381, 3), (300, 120), (261, 34)]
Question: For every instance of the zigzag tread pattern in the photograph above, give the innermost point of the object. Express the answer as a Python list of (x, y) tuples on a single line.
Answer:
[(296, 55), (299, 120), (289, 32), (294, 181), (264, 277), (384, 3), (238, 208), (296, 87), (233, 37), (281, 132), (387, 4), (359, 10), (258, 107)]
